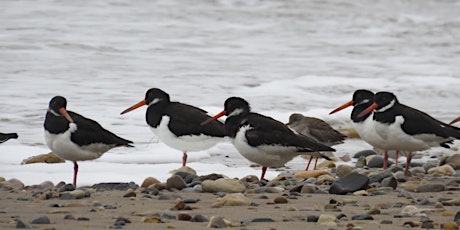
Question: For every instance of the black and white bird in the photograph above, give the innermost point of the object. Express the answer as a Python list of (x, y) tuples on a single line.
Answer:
[(262, 139), (178, 125), (317, 129), (6, 136), (407, 129), (364, 125), (76, 138)]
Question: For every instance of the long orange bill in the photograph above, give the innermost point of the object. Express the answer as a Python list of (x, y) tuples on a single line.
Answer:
[(350, 103), (139, 104), (214, 118), (64, 113), (456, 119), (368, 110)]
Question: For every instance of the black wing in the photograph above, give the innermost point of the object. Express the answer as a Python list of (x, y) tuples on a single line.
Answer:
[(187, 119)]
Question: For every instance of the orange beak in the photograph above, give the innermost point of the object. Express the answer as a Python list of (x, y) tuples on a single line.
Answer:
[(350, 103), (139, 104), (64, 113), (214, 118), (368, 110), (456, 119)]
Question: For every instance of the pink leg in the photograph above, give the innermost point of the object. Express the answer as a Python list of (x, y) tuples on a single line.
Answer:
[(184, 159), (409, 158), (75, 172), (308, 165), (316, 162), (264, 169), (385, 160)]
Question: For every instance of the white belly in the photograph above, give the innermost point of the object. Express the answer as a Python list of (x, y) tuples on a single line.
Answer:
[(265, 155), (394, 137), (184, 143), (62, 146), (367, 132)]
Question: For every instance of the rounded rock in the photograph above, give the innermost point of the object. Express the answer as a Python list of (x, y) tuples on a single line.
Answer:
[(175, 182)]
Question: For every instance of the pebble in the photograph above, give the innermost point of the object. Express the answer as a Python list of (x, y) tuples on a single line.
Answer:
[(325, 179), (444, 170), (361, 162), (234, 199), (362, 217), (374, 211), (149, 181), (327, 220), (130, 194), (306, 188), (216, 222), (430, 188), (69, 217), (41, 220), (223, 185), (82, 219), (152, 219), (262, 220), (12, 184), (212, 176), (250, 179), (364, 153), (417, 170), (386, 222), (450, 225), (377, 162), (453, 160), (175, 182), (343, 170), (49, 158), (457, 217), (184, 216), (20, 223), (410, 210), (312, 218), (326, 164), (115, 186), (311, 173), (66, 188), (430, 164), (389, 182), (349, 183), (199, 218), (280, 200), (184, 169)]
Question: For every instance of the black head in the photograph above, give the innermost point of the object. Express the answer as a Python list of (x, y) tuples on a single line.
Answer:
[(57, 103), (57, 106), (235, 106), (156, 95), (361, 96), (384, 100)]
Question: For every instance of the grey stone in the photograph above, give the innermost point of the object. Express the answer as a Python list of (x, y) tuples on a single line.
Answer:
[(175, 182), (430, 188), (115, 186), (362, 217), (20, 223), (364, 153), (41, 220), (349, 183)]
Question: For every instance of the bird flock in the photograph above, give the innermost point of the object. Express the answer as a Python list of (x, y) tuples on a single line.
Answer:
[(378, 118)]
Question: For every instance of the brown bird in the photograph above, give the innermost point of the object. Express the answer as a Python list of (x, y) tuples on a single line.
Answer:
[(316, 129)]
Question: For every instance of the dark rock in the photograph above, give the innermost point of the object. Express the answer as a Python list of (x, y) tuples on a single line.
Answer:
[(20, 223), (340, 216), (377, 178), (82, 219), (377, 162), (66, 188), (110, 207), (184, 216), (190, 201), (130, 194), (362, 217), (430, 164), (389, 182), (349, 183), (69, 217), (364, 153), (306, 188), (212, 176), (312, 218), (457, 216), (41, 220), (430, 188), (261, 220), (386, 222), (175, 182), (199, 218), (115, 186)]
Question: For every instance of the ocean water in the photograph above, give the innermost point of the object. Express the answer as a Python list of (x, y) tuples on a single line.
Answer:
[(282, 56)]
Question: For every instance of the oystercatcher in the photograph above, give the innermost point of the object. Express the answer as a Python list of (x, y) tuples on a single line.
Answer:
[(178, 124), (262, 139), (76, 138), (364, 125), (6, 136), (454, 121), (407, 129), (317, 129)]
